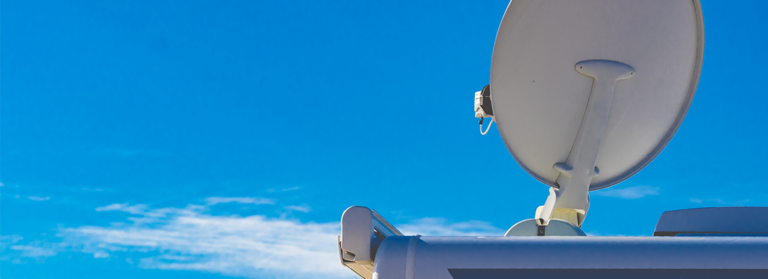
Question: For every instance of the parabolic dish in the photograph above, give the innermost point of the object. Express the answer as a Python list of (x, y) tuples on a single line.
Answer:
[(539, 99)]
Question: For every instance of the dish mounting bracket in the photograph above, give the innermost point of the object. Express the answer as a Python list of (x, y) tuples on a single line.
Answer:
[(570, 201)]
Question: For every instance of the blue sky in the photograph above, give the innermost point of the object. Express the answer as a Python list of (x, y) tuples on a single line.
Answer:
[(224, 139)]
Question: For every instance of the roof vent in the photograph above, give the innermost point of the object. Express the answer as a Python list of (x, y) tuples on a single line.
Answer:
[(714, 221)]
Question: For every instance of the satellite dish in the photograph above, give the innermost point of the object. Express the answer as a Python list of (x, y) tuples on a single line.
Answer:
[(586, 93)]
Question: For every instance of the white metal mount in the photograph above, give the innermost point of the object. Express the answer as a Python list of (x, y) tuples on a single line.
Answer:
[(570, 202), (362, 230)]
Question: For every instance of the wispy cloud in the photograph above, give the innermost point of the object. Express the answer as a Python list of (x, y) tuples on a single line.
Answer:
[(302, 208), (34, 251), (8, 240), (273, 190), (441, 227), (246, 200), (634, 192), (35, 198), (696, 200), (190, 239), (719, 201), (124, 207)]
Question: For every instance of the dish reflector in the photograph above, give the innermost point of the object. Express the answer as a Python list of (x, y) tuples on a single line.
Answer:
[(540, 97)]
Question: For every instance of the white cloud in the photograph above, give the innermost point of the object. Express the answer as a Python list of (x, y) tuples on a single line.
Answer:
[(256, 246), (8, 240), (124, 207), (302, 208), (719, 201), (218, 200), (440, 227), (34, 251), (272, 190), (634, 192), (189, 239), (695, 200), (34, 198)]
